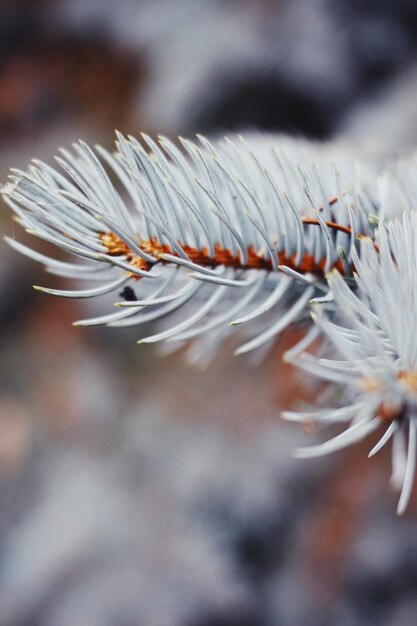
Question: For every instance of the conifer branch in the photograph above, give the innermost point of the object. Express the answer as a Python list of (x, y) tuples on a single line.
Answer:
[(250, 233)]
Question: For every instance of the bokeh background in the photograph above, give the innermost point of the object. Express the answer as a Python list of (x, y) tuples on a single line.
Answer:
[(135, 490)]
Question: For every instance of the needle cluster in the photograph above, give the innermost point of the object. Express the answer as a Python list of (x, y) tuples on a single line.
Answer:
[(256, 233)]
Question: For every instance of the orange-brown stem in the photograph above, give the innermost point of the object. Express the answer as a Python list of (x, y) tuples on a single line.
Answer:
[(222, 256), (332, 225)]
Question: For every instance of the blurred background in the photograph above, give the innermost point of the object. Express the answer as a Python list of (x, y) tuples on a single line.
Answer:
[(135, 490)]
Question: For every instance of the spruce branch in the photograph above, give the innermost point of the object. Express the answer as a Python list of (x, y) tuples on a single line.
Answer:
[(229, 232), (376, 346), (254, 233)]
